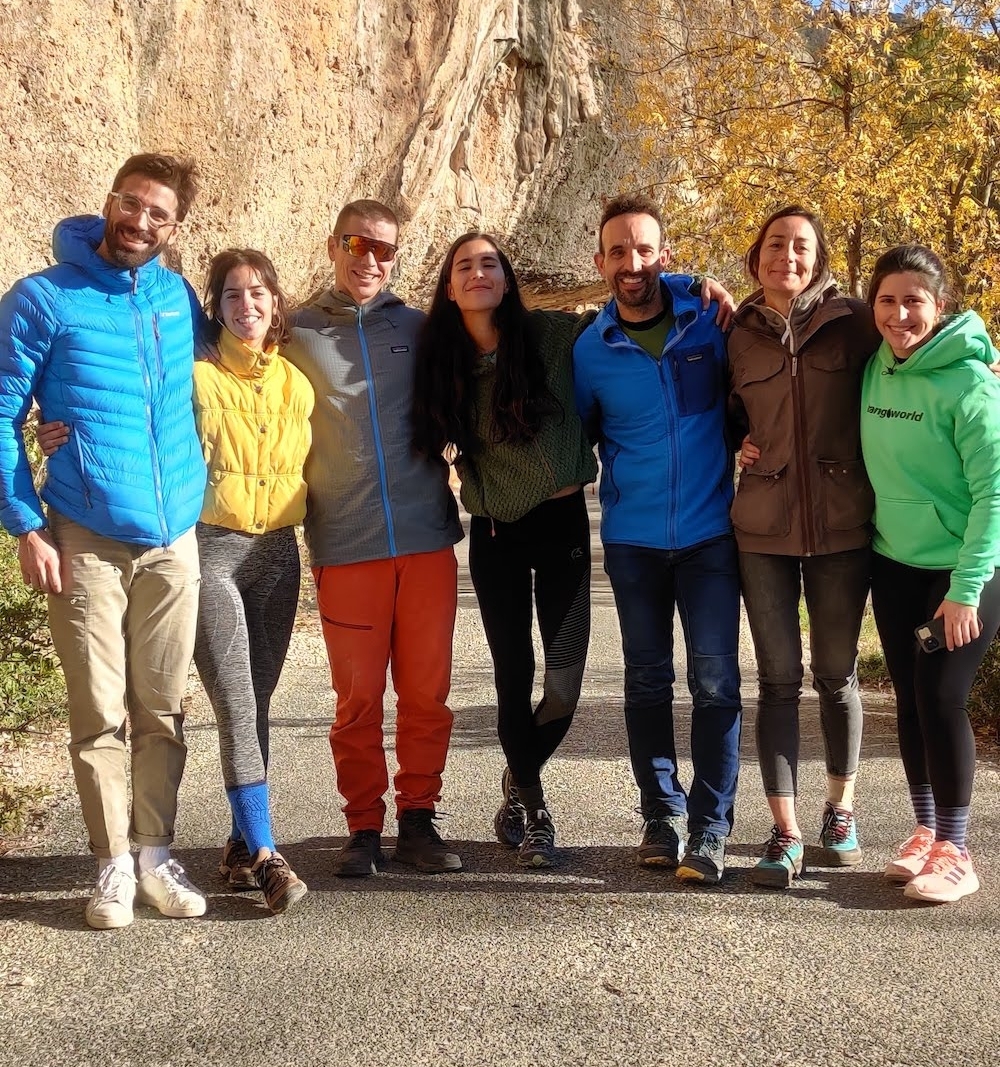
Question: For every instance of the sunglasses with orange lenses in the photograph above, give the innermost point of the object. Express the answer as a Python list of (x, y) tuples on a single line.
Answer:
[(359, 247)]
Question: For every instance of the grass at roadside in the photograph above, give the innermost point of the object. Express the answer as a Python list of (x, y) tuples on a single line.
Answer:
[(984, 700)]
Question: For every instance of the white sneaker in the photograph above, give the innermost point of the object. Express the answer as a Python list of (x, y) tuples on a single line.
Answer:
[(168, 890), (110, 907)]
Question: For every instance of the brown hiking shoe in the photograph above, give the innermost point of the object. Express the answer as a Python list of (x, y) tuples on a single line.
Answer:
[(280, 885), (419, 844), (361, 856), (237, 865)]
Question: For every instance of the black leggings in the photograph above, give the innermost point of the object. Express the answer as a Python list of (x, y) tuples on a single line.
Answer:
[(553, 540), (936, 741)]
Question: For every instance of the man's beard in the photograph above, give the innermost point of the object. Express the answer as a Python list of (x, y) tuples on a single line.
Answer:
[(636, 298), (131, 259)]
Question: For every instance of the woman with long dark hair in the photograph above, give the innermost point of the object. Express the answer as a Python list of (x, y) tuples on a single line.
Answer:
[(494, 386)]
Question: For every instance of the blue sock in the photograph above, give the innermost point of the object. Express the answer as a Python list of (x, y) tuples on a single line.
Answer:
[(922, 800), (252, 814), (235, 833), (952, 825)]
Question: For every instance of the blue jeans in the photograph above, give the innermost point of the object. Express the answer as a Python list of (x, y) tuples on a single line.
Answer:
[(835, 588), (703, 582)]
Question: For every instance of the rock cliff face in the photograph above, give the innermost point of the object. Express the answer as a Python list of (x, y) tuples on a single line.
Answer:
[(461, 113)]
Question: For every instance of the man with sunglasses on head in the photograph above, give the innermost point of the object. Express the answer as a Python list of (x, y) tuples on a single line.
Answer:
[(381, 523), (103, 341)]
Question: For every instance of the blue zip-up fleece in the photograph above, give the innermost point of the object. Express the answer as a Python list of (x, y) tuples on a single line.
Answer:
[(667, 468), (370, 495), (110, 352)]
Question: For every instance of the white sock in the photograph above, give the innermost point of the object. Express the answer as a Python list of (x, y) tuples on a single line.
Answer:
[(124, 862), (151, 856)]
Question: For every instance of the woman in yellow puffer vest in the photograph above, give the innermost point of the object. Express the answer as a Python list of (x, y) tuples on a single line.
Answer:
[(252, 408)]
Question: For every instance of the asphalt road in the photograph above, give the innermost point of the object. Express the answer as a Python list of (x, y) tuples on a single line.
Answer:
[(597, 962)]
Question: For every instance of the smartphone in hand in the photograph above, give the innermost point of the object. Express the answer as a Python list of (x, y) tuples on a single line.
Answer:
[(930, 634)]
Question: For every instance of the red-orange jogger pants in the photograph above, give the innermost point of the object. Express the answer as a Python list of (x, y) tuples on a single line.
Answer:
[(398, 612)]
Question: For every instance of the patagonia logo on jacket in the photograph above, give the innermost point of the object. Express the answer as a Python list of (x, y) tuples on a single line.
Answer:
[(891, 413)]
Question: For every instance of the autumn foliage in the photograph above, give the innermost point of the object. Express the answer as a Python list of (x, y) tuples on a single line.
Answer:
[(884, 116)]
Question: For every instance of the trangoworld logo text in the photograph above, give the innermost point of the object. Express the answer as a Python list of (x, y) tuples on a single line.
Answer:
[(892, 413)]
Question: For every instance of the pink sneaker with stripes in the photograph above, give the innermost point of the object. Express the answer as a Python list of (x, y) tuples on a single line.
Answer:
[(946, 875), (910, 857)]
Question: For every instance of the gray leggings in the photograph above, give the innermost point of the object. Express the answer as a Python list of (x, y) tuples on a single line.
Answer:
[(249, 592), (835, 588)]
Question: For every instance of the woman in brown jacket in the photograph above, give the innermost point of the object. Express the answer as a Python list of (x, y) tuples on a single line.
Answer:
[(797, 350)]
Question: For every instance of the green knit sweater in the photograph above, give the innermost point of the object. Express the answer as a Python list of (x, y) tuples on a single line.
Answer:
[(505, 481)]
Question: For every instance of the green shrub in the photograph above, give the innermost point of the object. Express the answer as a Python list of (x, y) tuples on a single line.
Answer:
[(32, 692), (31, 685), (984, 700)]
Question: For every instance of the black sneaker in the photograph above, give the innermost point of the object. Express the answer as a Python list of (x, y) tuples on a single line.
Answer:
[(419, 844), (236, 866), (663, 839), (509, 821), (281, 886), (361, 856), (538, 849), (705, 858)]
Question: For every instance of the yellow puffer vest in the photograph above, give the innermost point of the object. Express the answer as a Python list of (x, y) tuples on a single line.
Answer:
[(252, 410)]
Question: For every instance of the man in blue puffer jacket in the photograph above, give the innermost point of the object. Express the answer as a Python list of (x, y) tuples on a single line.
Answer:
[(104, 342), (650, 379)]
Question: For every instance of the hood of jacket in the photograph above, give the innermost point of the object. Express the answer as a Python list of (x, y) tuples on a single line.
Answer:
[(75, 241), (684, 306), (809, 310), (961, 336), (339, 304)]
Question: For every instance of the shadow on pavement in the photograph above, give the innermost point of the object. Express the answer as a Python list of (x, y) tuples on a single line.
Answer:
[(51, 891)]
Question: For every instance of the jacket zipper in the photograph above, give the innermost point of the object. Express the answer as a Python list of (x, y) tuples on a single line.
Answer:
[(798, 406), (377, 434), (673, 427), (147, 385)]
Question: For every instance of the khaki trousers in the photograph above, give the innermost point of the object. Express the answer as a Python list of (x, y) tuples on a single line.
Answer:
[(124, 629)]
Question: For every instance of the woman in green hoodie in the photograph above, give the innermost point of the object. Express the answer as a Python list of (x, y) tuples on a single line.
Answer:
[(930, 431)]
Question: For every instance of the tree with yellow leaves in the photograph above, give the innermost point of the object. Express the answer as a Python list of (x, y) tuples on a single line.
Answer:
[(885, 117)]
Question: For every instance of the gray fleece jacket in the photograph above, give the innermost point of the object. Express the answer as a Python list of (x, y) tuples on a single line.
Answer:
[(370, 496)]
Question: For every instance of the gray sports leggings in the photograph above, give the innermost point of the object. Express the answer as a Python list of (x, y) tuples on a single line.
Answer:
[(249, 592), (835, 588)]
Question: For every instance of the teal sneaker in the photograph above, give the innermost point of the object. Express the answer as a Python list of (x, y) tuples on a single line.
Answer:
[(783, 861), (839, 837)]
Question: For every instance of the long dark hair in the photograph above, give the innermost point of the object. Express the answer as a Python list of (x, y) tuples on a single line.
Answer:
[(215, 282), (443, 411)]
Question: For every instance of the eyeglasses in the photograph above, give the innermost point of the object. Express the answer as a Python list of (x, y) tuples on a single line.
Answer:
[(359, 247), (130, 206)]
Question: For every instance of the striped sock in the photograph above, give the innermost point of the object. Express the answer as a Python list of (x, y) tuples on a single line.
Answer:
[(252, 812), (922, 800), (953, 826)]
